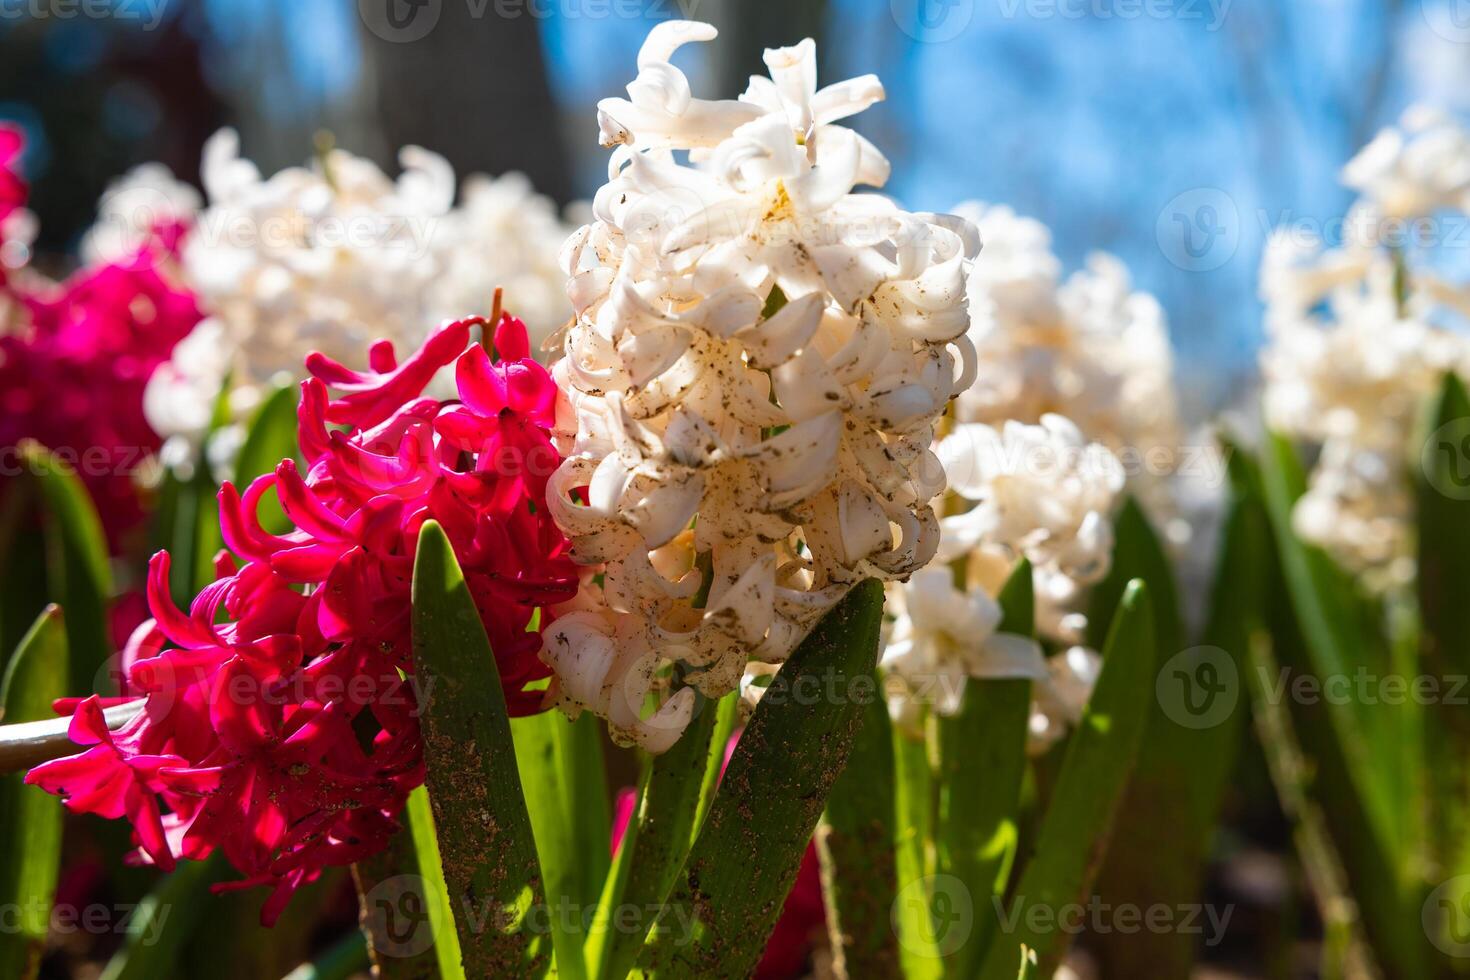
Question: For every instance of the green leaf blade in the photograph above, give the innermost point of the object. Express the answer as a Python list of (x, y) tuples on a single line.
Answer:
[(1443, 511), (30, 847), (732, 886), (486, 845), (270, 438), (668, 808), (982, 762), (78, 566), (1099, 758), (855, 844), (566, 796)]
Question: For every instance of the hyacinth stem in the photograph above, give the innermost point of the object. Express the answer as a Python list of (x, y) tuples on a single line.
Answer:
[(487, 329), (915, 858), (418, 816), (566, 796), (725, 720), (26, 745), (1345, 953), (388, 915), (667, 809), (486, 844), (730, 891), (981, 762)]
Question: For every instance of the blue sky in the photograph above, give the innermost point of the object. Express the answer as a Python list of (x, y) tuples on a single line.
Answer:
[(1098, 117), (1095, 115)]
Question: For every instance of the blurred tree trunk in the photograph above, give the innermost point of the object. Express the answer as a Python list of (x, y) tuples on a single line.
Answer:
[(474, 88), (747, 29)]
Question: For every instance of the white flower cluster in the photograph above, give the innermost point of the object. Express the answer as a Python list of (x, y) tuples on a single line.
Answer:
[(1041, 492), (943, 635), (1051, 355), (1089, 348), (1037, 491), (136, 206), (1357, 340), (332, 257), (502, 233), (757, 362)]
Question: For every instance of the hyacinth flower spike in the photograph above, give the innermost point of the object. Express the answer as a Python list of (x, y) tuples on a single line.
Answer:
[(280, 720)]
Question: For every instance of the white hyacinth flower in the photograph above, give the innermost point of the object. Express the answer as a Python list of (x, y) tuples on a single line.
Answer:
[(1357, 339), (1041, 492), (503, 233), (334, 256), (133, 207), (942, 636), (758, 359), (328, 258), (1088, 347), (1415, 169)]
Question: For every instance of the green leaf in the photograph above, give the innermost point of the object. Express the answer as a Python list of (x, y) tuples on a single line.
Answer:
[(566, 796), (1319, 631), (666, 817), (486, 845), (344, 959), (182, 927), (732, 887), (30, 847), (1079, 817), (855, 843), (1338, 641), (163, 922), (232, 944), (1167, 822), (418, 815), (1136, 554), (23, 590), (915, 858), (270, 438), (77, 562), (1237, 609), (728, 714), (393, 899), (982, 760), (188, 513), (1443, 498)]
